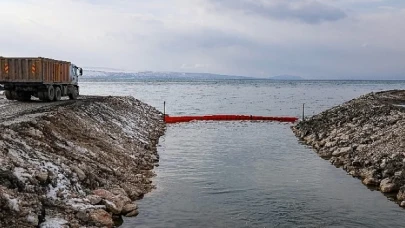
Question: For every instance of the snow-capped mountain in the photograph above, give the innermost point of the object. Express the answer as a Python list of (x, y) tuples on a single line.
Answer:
[(155, 75)]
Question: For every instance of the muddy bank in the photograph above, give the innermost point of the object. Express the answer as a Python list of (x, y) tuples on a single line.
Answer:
[(365, 136), (75, 163)]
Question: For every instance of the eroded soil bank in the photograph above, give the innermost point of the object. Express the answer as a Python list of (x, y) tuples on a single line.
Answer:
[(75, 163), (364, 136)]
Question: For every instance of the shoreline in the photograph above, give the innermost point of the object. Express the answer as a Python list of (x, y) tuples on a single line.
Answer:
[(75, 164), (363, 136)]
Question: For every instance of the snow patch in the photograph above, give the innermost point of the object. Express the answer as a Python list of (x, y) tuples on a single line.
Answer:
[(62, 146), (51, 167), (61, 187), (12, 203), (82, 205), (81, 150), (61, 182), (53, 223), (21, 174), (33, 219)]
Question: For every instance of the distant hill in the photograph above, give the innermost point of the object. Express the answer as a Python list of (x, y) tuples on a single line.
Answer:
[(287, 77), (156, 75)]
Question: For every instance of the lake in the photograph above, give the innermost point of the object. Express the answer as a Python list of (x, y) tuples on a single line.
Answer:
[(249, 174)]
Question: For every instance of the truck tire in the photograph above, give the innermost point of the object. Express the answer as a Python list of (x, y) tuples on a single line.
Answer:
[(58, 93), (14, 95), (74, 94), (23, 96), (50, 93), (42, 95), (9, 95)]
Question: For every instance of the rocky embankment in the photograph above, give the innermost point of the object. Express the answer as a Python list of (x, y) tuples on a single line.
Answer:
[(364, 136), (76, 164)]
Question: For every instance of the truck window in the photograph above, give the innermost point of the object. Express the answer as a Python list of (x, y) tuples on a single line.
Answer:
[(75, 71)]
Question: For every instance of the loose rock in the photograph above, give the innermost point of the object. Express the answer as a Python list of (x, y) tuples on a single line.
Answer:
[(402, 204), (371, 181), (132, 214), (94, 199), (42, 176), (101, 218), (129, 207), (387, 186)]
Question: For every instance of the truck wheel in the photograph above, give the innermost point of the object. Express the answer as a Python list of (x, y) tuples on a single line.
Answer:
[(42, 95), (74, 94), (23, 96), (9, 95), (14, 95), (58, 93), (50, 94)]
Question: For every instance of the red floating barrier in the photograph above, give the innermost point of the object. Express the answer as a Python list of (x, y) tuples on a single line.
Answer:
[(182, 119)]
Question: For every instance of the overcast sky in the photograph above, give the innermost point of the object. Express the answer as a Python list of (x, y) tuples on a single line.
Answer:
[(320, 39)]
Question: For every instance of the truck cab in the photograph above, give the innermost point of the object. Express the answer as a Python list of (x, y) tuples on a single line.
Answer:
[(75, 72)]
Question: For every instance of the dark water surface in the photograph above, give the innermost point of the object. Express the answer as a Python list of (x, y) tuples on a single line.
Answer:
[(250, 174)]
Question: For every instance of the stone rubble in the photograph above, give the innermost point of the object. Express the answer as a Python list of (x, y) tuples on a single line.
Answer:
[(364, 136), (78, 164)]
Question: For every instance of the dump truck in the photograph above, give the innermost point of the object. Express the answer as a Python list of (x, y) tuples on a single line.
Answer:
[(44, 78)]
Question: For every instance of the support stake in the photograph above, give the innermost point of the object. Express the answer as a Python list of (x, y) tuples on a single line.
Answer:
[(164, 110), (303, 112)]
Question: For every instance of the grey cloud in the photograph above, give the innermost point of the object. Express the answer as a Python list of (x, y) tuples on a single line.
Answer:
[(307, 11), (203, 39)]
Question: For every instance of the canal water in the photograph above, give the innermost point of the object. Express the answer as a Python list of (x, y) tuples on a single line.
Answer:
[(250, 174)]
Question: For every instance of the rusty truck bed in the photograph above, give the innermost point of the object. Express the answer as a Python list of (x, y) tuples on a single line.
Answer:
[(34, 70)]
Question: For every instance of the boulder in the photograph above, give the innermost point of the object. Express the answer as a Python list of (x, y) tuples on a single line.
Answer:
[(402, 204), (82, 216), (387, 186), (112, 207), (80, 174), (42, 176), (401, 195), (116, 203), (342, 151), (104, 194), (132, 213), (330, 144), (118, 191), (325, 153), (371, 181), (354, 173), (134, 193), (94, 199), (101, 218), (129, 207)]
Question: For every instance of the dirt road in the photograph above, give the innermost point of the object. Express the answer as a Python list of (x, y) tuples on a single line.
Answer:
[(13, 109)]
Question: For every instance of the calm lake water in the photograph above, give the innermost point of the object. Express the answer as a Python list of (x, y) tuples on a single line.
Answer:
[(250, 174)]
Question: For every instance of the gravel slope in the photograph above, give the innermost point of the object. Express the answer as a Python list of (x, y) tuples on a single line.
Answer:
[(75, 163), (364, 136)]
